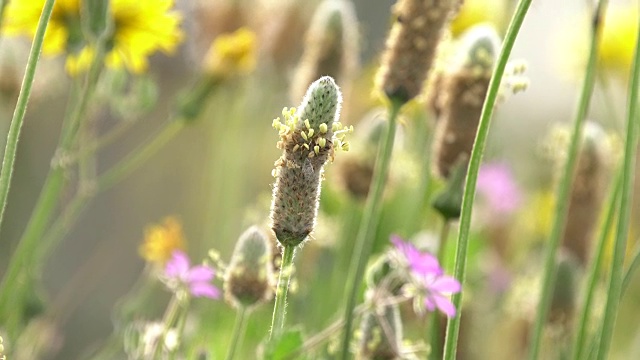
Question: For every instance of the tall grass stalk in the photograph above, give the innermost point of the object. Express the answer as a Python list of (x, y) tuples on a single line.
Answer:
[(21, 105), (594, 272), (624, 214), (237, 335), (564, 188), (284, 279), (453, 324), (369, 224)]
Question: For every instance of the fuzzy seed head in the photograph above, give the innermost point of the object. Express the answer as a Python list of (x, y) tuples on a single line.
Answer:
[(464, 88), (249, 276), (310, 140), (412, 44), (587, 193), (331, 46)]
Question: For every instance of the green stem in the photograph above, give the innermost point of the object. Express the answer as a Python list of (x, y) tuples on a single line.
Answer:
[(628, 276), (453, 323), (18, 278), (564, 188), (138, 156), (103, 141), (21, 106), (3, 6), (624, 214), (168, 319), (286, 270), (434, 322), (369, 224), (594, 271), (237, 334)]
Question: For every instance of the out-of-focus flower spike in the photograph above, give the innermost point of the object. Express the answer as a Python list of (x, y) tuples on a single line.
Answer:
[(249, 277), (463, 88), (331, 46), (587, 194), (411, 46)]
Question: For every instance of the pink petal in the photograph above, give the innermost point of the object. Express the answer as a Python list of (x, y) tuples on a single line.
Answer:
[(425, 263), (445, 284), (429, 304), (178, 265), (203, 289), (445, 305), (200, 273)]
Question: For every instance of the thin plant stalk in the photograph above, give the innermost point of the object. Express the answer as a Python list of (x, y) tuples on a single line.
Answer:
[(594, 271), (170, 315), (624, 214), (138, 156), (14, 282), (435, 318), (286, 270), (453, 323), (628, 276), (369, 224), (237, 334), (21, 106), (564, 188)]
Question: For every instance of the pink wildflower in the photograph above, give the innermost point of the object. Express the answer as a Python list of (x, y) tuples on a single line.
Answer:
[(431, 280), (196, 279)]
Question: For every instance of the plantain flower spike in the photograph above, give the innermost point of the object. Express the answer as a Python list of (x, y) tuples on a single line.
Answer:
[(412, 44), (331, 46), (309, 137), (249, 277), (587, 194), (463, 89)]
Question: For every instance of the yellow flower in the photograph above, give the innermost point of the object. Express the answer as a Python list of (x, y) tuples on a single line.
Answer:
[(160, 240), (63, 32), (618, 39), (232, 54), (474, 12), (140, 28)]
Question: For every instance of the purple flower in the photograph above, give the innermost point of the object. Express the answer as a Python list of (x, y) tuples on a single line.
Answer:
[(431, 280), (197, 279), (499, 189)]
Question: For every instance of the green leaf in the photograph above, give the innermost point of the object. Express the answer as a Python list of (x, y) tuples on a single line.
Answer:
[(280, 347)]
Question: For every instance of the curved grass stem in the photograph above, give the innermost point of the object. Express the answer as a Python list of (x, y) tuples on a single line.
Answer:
[(237, 335), (17, 278), (624, 214), (453, 324), (368, 225), (564, 188), (21, 106), (594, 271)]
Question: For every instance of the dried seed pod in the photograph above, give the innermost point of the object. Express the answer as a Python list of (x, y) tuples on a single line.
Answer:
[(411, 46), (331, 46), (308, 140), (249, 277), (587, 193), (464, 88)]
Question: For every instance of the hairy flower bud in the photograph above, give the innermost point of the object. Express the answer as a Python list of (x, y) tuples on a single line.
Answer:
[(308, 139), (464, 88), (411, 45), (249, 277), (331, 46)]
